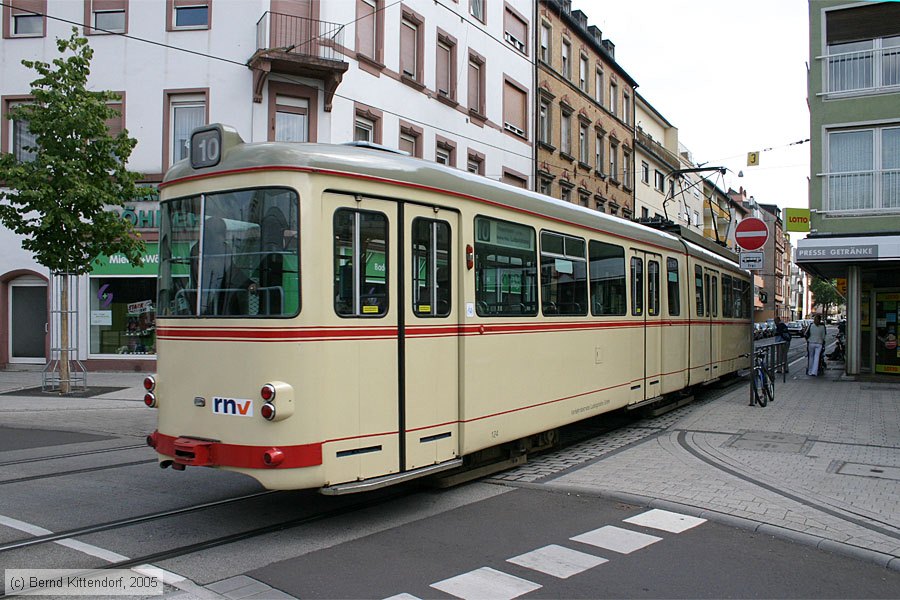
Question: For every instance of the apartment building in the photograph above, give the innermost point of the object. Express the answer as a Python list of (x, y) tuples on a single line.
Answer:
[(656, 161), (449, 82), (585, 113), (854, 95)]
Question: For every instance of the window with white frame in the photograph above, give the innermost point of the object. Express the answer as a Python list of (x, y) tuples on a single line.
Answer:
[(599, 91), (367, 28), (583, 74), (545, 42), (864, 169), (565, 132), (598, 151), (583, 152), (626, 108), (613, 159), (108, 16), (567, 59), (25, 18), (409, 49), (659, 181), (544, 122), (515, 109), (23, 142), (186, 113), (645, 172), (189, 14), (515, 31), (363, 129), (476, 9), (291, 119), (863, 65), (626, 168), (613, 98)]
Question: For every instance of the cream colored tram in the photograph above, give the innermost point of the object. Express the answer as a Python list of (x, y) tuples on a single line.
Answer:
[(344, 318)]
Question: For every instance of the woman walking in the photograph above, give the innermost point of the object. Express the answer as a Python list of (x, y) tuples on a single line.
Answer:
[(815, 337)]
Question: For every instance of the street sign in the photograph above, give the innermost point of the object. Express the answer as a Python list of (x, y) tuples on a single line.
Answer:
[(752, 261), (751, 234)]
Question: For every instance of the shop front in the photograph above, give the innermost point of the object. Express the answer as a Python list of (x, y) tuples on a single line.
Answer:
[(122, 313), (870, 265)]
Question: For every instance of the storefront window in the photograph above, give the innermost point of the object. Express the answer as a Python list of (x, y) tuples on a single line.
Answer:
[(123, 315)]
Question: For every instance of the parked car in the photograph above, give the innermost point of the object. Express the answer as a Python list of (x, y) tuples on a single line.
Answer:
[(795, 328), (760, 331)]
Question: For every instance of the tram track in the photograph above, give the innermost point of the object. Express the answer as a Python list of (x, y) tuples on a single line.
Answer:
[(120, 523), (24, 461), (76, 471)]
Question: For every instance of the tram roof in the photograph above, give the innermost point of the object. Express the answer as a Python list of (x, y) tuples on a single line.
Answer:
[(397, 167)]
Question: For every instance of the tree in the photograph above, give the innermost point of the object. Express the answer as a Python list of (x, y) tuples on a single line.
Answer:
[(825, 292), (59, 201)]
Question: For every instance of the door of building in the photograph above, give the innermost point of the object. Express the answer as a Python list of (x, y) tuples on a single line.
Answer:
[(27, 321), (886, 324)]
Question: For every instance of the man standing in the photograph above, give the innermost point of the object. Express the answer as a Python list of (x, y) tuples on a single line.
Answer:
[(815, 336), (783, 335)]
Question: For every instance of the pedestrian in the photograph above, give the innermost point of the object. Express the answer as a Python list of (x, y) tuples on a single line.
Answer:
[(815, 337), (783, 335)]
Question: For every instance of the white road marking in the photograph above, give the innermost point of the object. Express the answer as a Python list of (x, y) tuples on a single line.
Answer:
[(557, 561), (403, 596), (486, 583), (616, 539), (89, 549), (665, 521)]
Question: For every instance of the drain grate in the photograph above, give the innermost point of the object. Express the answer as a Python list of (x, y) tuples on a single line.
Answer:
[(767, 441), (864, 470)]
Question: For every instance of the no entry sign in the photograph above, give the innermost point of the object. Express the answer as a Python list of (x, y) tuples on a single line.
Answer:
[(751, 234)]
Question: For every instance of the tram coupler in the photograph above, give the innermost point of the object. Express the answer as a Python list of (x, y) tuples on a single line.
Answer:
[(195, 453)]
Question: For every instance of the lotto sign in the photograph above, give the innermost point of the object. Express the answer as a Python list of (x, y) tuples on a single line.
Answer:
[(751, 234)]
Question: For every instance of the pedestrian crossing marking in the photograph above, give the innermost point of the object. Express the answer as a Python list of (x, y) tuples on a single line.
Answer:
[(486, 583), (665, 520), (403, 596), (557, 561), (619, 540)]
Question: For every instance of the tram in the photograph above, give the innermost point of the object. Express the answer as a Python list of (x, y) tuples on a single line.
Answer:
[(343, 317)]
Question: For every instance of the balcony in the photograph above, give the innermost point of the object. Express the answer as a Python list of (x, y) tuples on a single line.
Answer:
[(865, 71), (292, 45)]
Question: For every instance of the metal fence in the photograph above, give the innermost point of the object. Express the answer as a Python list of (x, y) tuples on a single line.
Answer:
[(300, 35)]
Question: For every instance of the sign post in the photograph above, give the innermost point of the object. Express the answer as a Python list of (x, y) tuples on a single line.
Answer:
[(751, 234)]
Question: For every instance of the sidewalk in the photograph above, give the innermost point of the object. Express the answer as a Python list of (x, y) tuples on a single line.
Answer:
[(820, 466)]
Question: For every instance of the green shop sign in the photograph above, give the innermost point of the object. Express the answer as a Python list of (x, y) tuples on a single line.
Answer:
[(117, 264)]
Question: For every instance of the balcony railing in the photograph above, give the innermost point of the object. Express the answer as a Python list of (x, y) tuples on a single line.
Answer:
[(864, 191), (300, 36), (867, 70)]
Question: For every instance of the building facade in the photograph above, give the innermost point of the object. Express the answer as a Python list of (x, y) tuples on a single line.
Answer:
[(854, 102), (448, 82), (585, 113), (656, 161)]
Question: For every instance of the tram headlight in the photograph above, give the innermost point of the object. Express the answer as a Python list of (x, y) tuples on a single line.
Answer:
[(278, 401)]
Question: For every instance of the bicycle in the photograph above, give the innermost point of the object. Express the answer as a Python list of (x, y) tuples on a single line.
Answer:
[(762, 387)]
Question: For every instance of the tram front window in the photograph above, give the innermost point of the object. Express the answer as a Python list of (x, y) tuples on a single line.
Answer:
[(243, 261)]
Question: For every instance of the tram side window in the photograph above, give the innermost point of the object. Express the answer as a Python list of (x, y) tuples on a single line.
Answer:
[(672, 288), (360, 263), (431, 268), (714, 295), (505, 269), (637, 286), (563, 275), (652, 288), (727, 296), (698, 289), (607, 266), (738, 298), (747, 304)]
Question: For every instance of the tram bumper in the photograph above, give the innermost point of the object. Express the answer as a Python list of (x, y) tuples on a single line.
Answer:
[(185, 451)]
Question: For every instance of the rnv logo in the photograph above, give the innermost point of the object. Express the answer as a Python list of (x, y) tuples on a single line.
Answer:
[(232, 406)]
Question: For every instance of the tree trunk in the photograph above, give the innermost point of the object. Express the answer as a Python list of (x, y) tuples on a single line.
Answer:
[(64, 373)]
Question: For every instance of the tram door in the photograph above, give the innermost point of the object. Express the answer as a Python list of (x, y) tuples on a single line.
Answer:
[(715, 331), (646, 305), (429, 335), (700, 328)]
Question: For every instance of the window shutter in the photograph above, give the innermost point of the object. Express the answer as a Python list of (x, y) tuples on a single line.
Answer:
[(408, 33)]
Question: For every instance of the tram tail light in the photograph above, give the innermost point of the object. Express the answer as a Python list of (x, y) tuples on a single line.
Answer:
[(278, 401), (470, 257), (149, 383), (150, 399)]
